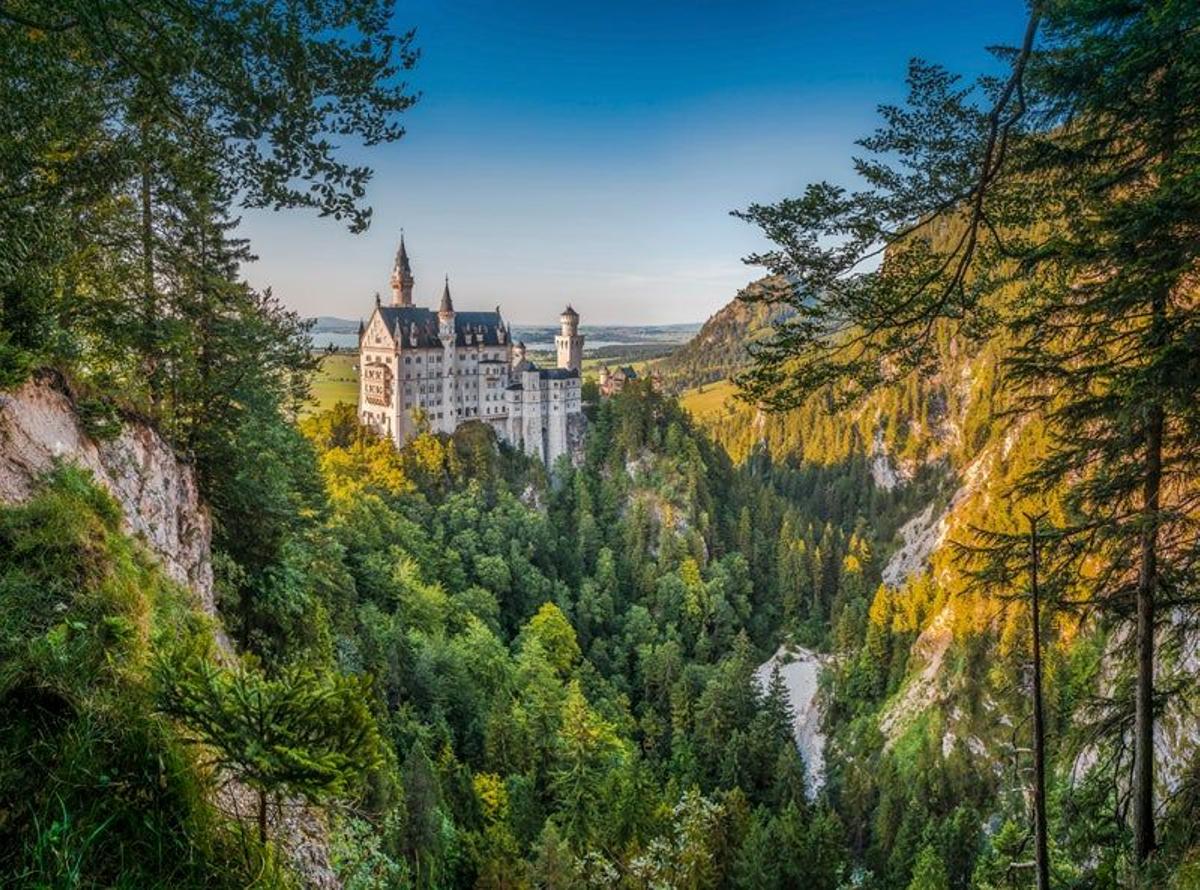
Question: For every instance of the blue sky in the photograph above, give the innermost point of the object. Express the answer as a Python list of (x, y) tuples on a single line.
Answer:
[(590, 152)]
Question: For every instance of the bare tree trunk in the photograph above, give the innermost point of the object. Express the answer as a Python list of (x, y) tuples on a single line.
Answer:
[(1143, 719), (149, 299), (1040, 850), (1147, 593), (262, 816)]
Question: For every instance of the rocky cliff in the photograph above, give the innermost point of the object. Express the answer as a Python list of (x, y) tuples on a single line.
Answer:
[(158, 493), (41, 424)]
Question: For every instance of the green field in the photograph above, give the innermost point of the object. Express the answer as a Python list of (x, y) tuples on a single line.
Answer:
[(708, 400), (336, 381)]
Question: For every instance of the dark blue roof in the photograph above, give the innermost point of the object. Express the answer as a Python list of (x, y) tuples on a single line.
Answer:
[(485, 325)]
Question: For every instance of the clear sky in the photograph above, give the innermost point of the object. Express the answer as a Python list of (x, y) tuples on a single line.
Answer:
[(591, 152)]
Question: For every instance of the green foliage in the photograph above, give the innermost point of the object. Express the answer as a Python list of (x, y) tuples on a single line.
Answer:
[(929, 872), (298, 734), (98, 790), (362, 863), (552, 678)]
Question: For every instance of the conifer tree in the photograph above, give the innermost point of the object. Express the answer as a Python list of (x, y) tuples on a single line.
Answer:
[(1058, 206), (299, 734)]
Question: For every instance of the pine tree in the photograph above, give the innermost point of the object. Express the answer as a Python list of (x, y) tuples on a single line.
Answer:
[(299, 734), (929, 872), (1056, 206)]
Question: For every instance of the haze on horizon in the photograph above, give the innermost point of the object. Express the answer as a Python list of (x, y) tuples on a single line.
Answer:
[(591, 154)]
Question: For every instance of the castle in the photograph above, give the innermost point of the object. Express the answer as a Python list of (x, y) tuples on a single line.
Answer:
[(446, 368), (612, 382)]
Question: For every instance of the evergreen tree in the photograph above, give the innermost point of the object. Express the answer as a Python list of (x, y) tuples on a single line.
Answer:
[(299, 734), (929, 872), (1059, 210)]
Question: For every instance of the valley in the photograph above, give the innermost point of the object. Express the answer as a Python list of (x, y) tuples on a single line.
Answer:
[(886, 576)]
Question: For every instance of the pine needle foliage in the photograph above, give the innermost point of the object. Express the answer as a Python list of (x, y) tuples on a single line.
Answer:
[(299, 734)]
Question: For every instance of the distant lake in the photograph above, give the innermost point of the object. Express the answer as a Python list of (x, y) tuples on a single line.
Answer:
[(337, 341)]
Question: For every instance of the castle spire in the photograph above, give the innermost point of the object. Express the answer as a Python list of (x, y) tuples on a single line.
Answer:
[(402, 277), (447, 307)]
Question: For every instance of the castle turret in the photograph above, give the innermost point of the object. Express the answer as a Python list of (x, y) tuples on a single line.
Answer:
[(402, 277), (446, 309), (569, 343), (450, 383)]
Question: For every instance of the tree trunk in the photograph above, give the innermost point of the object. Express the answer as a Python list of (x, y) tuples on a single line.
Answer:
[(262, 817), (1143, 720), (1040, 850), (149, 300), (1147, 592)]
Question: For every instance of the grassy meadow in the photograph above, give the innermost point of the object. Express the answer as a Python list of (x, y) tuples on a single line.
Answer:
[(708, 400), (336, 381)]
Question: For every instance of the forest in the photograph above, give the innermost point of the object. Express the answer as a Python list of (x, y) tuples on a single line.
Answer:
[(447, 665)]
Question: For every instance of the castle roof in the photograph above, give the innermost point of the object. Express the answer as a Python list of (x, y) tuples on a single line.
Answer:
[(447, 307), (526, 366), (402, 265), (484, 326)]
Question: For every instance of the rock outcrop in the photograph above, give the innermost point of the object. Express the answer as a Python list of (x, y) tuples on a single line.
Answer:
[(800, 669), (157, 492)]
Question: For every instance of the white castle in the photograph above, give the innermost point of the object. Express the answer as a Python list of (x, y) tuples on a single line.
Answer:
[(446, 368)]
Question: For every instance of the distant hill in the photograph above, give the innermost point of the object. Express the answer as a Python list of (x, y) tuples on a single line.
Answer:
[(328, 324), (718, 350)]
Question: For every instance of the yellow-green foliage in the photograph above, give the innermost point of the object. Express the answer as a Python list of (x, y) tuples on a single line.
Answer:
[(710, 401), (95, 789)]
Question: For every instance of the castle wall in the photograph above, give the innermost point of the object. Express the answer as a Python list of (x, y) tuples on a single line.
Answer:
[(418, 366)]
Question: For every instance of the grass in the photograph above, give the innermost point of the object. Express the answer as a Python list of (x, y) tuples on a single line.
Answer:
[(708, 400), (96, 788), (336, 381)]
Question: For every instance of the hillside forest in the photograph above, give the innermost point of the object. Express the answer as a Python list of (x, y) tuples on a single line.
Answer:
[(447, 665)]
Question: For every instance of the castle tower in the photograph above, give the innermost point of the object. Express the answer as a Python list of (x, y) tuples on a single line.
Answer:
[(569, 343), (402, 277), (446, 309), (450, 381)]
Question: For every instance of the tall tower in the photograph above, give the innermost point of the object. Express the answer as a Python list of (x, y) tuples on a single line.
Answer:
[(450, 381), (402, 277), (569, 343)]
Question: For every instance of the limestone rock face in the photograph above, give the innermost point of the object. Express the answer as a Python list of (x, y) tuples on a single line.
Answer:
[(157, 492), (159, 496), (800, 670)]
